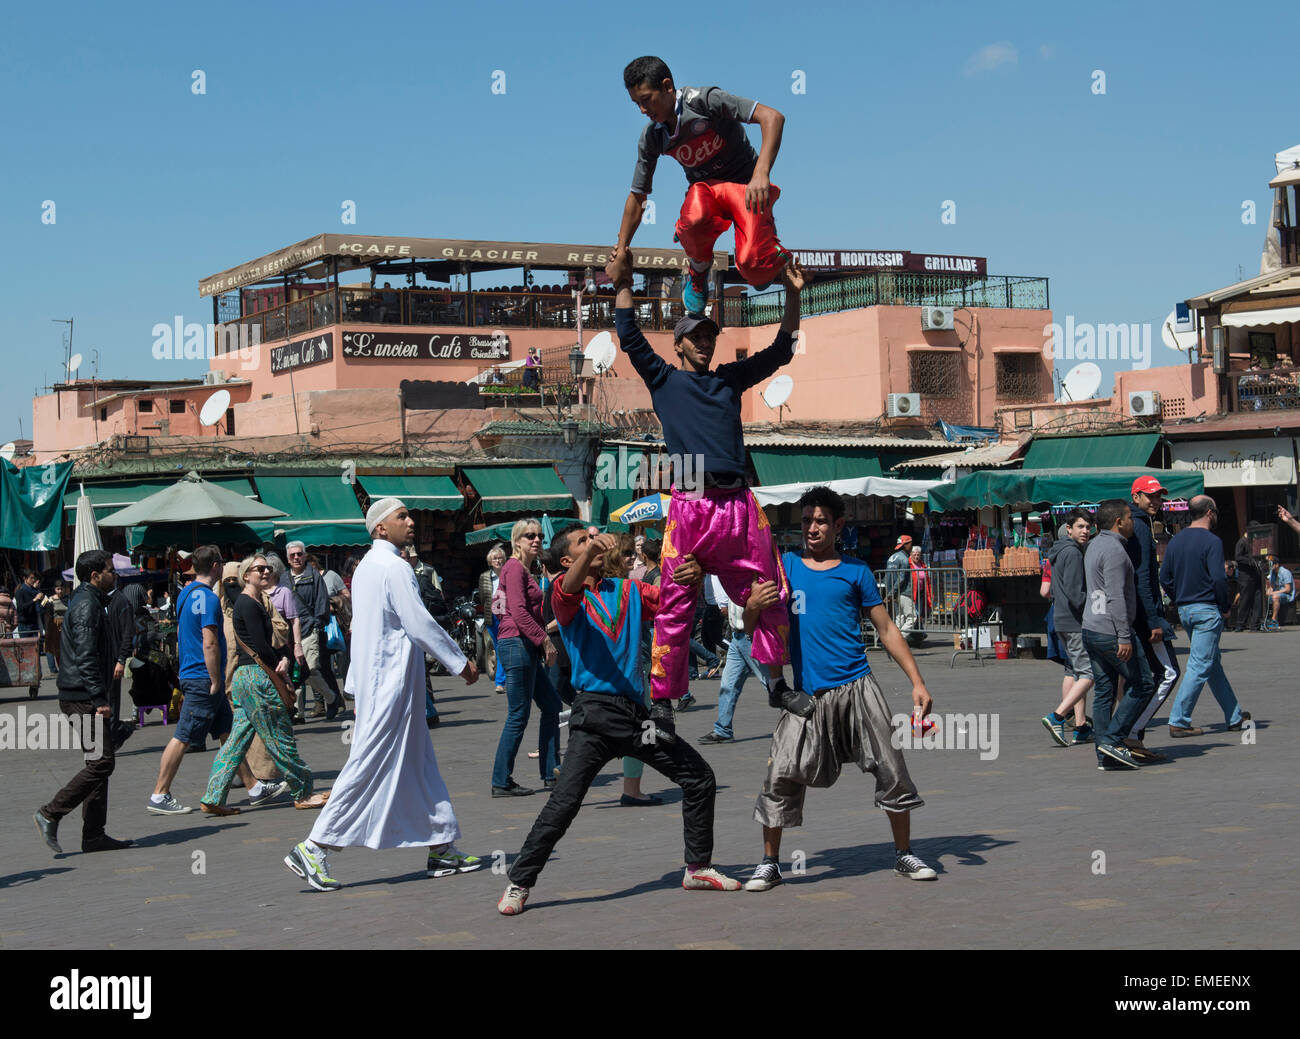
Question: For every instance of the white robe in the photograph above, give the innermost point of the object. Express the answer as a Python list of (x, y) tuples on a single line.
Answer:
[(390, 793)]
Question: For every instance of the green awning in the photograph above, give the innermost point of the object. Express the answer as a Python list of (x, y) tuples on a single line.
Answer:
[(1094, 452), (106, 498), (189, 536), (781, 465), (519, 488), (322, 510), (1054, 487), (612, 484), (434, 493)]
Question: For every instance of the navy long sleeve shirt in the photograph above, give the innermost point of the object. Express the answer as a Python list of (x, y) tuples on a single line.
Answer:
[(1193, 569), (700, 413)]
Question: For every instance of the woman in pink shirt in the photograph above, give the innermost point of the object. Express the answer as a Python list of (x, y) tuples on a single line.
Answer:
[(526, 653)]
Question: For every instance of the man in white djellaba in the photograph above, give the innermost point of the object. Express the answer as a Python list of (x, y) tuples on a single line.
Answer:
[(389, 793)]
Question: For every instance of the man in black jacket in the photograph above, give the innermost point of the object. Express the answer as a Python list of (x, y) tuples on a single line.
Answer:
[(307, 583), (1251, 583), (426, 579), (87, 661), (1153, 631)]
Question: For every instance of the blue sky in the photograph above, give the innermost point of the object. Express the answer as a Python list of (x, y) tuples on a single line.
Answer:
[(1127, 200)]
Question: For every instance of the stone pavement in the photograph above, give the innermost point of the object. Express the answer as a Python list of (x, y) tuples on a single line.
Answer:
[(1035, 848)]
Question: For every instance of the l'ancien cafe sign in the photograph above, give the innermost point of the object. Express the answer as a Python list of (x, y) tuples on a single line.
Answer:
[(875, 260), (302, 353), (1263, 461), (403, 346)]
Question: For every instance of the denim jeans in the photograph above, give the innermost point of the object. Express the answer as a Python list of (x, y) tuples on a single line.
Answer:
[(702, 652), (740, 663), (1107, 669), (1204, 624), (500, 676), (526, 683)]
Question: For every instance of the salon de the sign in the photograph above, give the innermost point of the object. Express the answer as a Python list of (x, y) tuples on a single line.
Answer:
[(1264, 461)]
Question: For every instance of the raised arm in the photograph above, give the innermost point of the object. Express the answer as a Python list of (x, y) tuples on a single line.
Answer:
[(772, 123), (652, 368), (633, 210), (753, 370)]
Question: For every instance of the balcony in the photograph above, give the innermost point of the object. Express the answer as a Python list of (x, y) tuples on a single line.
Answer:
[(492, 310), (885, 288), (1274, 390), (556, 308)]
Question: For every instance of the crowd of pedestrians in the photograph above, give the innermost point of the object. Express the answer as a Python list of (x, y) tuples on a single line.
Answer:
[(1109, 620)]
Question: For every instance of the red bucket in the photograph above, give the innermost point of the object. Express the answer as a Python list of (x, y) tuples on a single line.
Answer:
[(1002, 649)]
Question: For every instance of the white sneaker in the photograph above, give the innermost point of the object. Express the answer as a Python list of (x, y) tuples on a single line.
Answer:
[(708, 879)]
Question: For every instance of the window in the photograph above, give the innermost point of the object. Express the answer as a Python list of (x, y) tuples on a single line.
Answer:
[(144, 406), (1263, 349), (230, 422), (177, 407), (103, 414), (934, 373), (1017, 375)]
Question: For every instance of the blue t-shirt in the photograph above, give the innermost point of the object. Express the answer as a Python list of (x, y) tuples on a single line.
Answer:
[(829, 603), (1280, 580), (197, 608), (601, 630)]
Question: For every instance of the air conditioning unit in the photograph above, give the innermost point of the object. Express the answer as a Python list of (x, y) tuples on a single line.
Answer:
[(214, 378), (1144, 403), (936, 319), (903, 405)]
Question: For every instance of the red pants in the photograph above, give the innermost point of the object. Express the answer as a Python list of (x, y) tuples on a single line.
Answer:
[(711, 206)]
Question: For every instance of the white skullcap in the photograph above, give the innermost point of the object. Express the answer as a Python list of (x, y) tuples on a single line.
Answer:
[(379, 511)]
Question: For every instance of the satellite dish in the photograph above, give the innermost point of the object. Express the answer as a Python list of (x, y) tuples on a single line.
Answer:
[(74, 362), (7, 452), (214, 408), (1176, 337), (778, 391), (601, 352), (1082, 381)]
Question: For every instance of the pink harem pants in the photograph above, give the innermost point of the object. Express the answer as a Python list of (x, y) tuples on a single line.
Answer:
[(729, 535)]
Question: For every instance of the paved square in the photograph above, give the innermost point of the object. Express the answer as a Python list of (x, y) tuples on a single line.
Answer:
[(1196, 853)]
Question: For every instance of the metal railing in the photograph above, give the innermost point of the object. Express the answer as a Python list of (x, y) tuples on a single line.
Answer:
[(1263, 391), (942, 613), (367, 306), (882, 288)]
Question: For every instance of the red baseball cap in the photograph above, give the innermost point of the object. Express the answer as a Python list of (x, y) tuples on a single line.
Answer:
[(1147, 485), (903, 539)]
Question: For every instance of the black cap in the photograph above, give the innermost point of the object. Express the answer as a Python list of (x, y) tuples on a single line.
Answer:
[(690, 323)]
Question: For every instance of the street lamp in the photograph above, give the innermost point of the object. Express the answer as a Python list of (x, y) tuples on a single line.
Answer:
[(575, 362), (570, 429)]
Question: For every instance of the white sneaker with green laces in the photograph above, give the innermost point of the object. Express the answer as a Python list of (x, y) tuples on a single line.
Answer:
[(449, 861), (908, 865), (312, 866)]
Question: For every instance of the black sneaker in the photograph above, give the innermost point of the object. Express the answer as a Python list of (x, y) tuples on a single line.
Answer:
[(1245, 717), (513, 790), (713, 737), (1118, 753), (1106, 765), (908, 865), (766, 876), (685, 703)]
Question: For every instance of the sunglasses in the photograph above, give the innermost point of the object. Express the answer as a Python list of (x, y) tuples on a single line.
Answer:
[(629, 555), (261, 569), (530, 536)]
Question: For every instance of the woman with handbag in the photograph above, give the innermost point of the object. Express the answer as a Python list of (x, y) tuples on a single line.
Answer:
[(263, 699), (526, 653)]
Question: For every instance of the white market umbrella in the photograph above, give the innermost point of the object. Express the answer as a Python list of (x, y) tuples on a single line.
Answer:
[(86, 538), (191, 500)]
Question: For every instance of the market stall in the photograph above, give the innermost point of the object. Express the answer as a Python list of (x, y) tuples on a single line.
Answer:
[(993, 525)]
